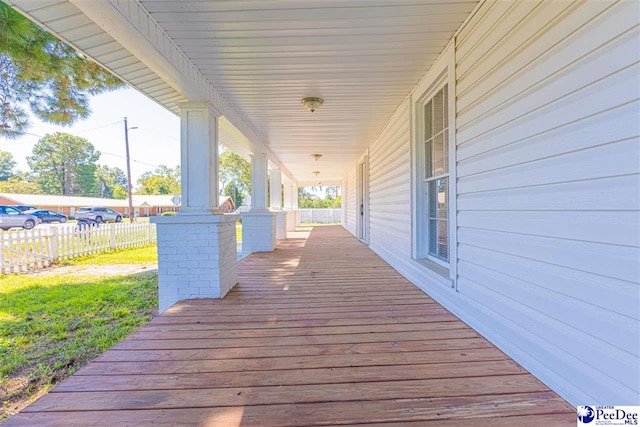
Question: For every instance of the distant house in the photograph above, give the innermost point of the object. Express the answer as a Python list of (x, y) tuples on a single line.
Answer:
[(143, 205)]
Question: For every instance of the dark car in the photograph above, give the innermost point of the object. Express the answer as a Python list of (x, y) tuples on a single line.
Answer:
[(44, 215), (22, 208)]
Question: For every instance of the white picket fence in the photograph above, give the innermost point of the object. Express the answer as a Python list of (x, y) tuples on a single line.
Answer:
[(321, 216), (37, 248)]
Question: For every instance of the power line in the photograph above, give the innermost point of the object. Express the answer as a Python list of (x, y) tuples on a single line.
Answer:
[(133, 160), (99, 127)]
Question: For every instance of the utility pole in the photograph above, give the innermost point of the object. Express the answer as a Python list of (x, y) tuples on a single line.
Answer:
[(126, 143)]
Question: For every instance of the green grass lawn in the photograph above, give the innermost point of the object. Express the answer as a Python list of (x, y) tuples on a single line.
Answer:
[(143, 255), (52, 325)]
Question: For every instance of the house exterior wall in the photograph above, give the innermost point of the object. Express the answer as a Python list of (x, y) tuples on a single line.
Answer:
[(389, 185), (350, 200), (547, 192)]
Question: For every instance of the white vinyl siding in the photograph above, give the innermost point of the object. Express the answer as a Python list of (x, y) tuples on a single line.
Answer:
[(350, 201), (548, 191), (390, 187), (547, 134)]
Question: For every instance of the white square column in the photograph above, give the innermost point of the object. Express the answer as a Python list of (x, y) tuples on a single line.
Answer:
[(275, 192), (288, 196), (259, 180), (295, 206), (259, 224), (292, 213), (197, 249), (198, 159), (275, 189)]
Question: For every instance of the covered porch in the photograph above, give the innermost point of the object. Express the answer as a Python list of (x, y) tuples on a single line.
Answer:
[(320, 331), (487, 150)]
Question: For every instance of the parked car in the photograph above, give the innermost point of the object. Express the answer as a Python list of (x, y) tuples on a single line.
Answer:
[(22, 208), (44, 215), (98, 214), (11, 217)]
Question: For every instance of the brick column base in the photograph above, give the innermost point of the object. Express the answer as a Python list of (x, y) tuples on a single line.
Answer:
[(197, 257), (258, 231)]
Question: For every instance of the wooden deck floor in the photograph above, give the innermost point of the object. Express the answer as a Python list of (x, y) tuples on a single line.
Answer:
[(319, 332)]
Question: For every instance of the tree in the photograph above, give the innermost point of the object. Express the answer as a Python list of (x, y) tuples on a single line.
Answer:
[(39, 71), (64, 164), (164, 180), (18, 186), (6, 165), (235, 175), (307, 199), (110, 182)]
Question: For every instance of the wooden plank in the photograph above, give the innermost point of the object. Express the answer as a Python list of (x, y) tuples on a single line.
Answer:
[(461, 332), (300, 362), (294, 307), (322, 413), (287, 394), (203, 322), (266, 317), (558, 420), (133, 355), (209, 332), (180, 381)]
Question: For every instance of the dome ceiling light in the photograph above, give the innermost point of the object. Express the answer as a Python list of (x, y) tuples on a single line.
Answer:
[(312, 103), (316, 156), (316, 173)]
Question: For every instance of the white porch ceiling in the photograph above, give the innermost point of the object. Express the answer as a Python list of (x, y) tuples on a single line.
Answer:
[(262, 56), (362, 57)]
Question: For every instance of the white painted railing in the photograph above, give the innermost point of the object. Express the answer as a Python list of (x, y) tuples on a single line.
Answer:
[(321, 216), (37, 248)]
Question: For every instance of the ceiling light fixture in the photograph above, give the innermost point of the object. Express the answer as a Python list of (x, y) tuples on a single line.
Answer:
[(312, 103), (316, 173), (316, 156)]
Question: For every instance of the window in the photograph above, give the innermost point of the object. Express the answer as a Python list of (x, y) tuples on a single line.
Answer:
[(434, 179)]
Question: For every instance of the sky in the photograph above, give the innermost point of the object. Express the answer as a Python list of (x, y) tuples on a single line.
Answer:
[(155, 142)]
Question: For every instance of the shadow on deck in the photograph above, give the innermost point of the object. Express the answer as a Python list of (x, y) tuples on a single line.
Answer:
[(319, 332)]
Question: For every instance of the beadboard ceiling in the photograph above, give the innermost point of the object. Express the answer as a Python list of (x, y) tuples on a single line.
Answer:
[(362, 57)]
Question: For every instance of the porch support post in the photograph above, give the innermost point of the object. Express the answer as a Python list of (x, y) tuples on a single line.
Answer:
[(259, 224), (259, 164), (197, 248), (294, 204), (288, 193), (275, 189), (275, 192), (199, 159), (292, 214)]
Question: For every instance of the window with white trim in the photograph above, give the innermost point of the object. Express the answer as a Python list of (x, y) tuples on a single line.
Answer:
[(434, 188)]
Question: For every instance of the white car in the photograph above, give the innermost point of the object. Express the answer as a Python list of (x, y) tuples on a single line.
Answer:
[(11, 217), (98, 214)]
